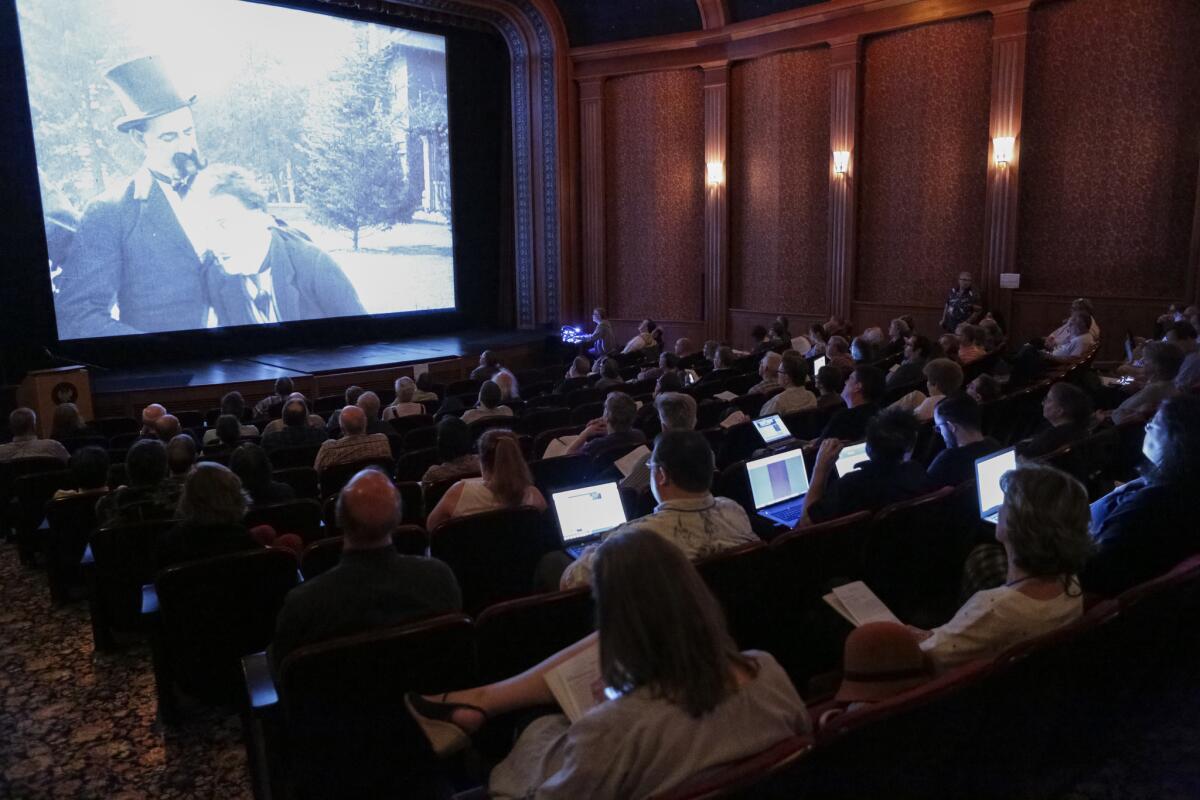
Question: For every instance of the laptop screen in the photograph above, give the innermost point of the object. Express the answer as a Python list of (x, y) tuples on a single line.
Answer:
[(588, 510), (772, 429), (851, 456), (818, 362), (988, 471), (777, 478)]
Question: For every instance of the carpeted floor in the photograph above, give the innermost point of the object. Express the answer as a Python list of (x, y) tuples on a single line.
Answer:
[(74, 724)]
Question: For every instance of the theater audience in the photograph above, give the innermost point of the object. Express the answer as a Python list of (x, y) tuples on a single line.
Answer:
[(723, 360), (886, 477), (959, 422), (89, 473), (150, 415), (837, 353), (295, 430), (793, 373), (67, 424), (1066, 332), (861, 393), (333, 426), (984, 389), (688, 700), (355, 445), (644, 339), (667, 362), (1162, 362), (971, 341), (252, 466), (454, 445), (148, 495), (404, 405), (489, 404), (507, 382), (602, 341), (612, 432), (167, 427), (829, 383), (880, 660), (488, 364), (22, 424), (609, 371), (181, 457), (1043, 528), (369, 403), (687, 514), (311, 419), (372, 586), (210, 515), (1145, 527), (234, 405), (943, 377), (963, 303), (818, 337), (911, 370), (768, 368), (505, 482), (1068, 413), (272, 404)]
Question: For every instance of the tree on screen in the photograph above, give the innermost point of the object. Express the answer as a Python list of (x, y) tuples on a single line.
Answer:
[(354, 176)]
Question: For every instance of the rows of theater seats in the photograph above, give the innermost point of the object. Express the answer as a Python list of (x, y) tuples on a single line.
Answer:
[(204, 616)]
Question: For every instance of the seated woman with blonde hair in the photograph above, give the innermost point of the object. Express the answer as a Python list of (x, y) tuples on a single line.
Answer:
[(683, 698), (405, 404), (506, 482), (1043, 530)]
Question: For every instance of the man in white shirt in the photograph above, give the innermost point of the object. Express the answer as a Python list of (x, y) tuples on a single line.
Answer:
[(792, 372), (687, 514), (22, 423), (768, 370), (1063, 332), (1078, 344)]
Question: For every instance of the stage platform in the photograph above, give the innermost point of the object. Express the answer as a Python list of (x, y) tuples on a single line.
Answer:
[(314, 371)]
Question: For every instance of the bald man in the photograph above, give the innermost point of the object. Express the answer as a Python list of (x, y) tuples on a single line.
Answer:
[(768, 370), (151, 415), (355, 445), (372, 585)]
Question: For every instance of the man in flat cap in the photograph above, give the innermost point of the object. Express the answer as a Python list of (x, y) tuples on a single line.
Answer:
[(132, 249)]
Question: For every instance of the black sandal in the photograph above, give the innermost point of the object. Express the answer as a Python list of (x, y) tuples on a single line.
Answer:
[(433, 718)]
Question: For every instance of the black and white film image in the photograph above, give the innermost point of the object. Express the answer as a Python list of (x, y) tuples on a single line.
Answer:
[(217, 163)]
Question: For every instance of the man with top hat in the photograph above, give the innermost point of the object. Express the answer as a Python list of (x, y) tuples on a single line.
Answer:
[(132, 249)]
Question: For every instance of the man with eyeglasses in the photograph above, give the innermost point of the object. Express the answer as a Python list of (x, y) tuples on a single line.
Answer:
[(792, 372)]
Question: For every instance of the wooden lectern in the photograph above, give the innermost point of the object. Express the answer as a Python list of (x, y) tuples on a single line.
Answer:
[(44, 389)]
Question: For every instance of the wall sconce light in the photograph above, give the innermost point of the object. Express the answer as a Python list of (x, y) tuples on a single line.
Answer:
[(841, 161), (1002, 149), (715, 173)]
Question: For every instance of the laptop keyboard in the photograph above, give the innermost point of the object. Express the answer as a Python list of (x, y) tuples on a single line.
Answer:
[(789, 515)]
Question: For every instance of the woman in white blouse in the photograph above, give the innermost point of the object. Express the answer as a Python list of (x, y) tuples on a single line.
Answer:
[(506, 482), (1043, 527), (646, 337)]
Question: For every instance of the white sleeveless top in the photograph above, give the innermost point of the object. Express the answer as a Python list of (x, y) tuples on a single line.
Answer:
[(476, 498)]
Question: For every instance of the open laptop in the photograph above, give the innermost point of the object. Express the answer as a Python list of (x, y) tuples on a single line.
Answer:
[(818, 362), (778, 484), (851, 456), (587, 512), (988, 471), (774, 432)]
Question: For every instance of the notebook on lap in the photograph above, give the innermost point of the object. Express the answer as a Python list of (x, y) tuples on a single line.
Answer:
[(778, 484), (585, 513), (988, 471)]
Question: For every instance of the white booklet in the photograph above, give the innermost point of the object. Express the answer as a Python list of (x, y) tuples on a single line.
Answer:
[(726, 396), (558, 447), (628, 463), (859, 605), (576, 683)]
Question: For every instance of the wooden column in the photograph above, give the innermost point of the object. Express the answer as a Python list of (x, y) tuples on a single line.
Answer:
[(1010, 32), (716, 202), (845, 69), (1193, 276), (591, 195)]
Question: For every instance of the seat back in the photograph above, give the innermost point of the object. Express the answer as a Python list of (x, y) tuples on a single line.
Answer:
[(543, 439), (122, 563), (543, 419), (303, 481), (515, 635), (586, 412), (302, 517), (216, 610), (349, 734), (494, 554), (420, 438), (33, 490), (806, 424), (402, 425), (71, 520), (412, 465), (484, 424), (115, 426), (466, 386), (563, 472), (745, 581), (286, 457)]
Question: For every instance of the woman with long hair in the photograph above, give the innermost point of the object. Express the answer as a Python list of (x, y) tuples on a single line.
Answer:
[(682, 698), (67, 423), (505, 483)]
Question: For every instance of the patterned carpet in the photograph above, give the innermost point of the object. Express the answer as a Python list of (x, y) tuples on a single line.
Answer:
[(74, 724), (78, 725)]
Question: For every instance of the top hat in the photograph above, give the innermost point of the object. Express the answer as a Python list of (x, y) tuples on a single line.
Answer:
[(145, 90)]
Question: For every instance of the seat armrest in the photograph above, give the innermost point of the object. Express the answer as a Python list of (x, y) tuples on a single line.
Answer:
[(260, 683), (149, 600)]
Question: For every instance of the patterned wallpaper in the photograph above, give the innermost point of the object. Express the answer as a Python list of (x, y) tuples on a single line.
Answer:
[(779, 182), (654, 194), (923, 160), (1109, 147)]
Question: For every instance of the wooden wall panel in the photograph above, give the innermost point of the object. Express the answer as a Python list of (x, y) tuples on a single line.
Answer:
[(1110, 148), (654, 194), (923, 163), (779, 184)]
